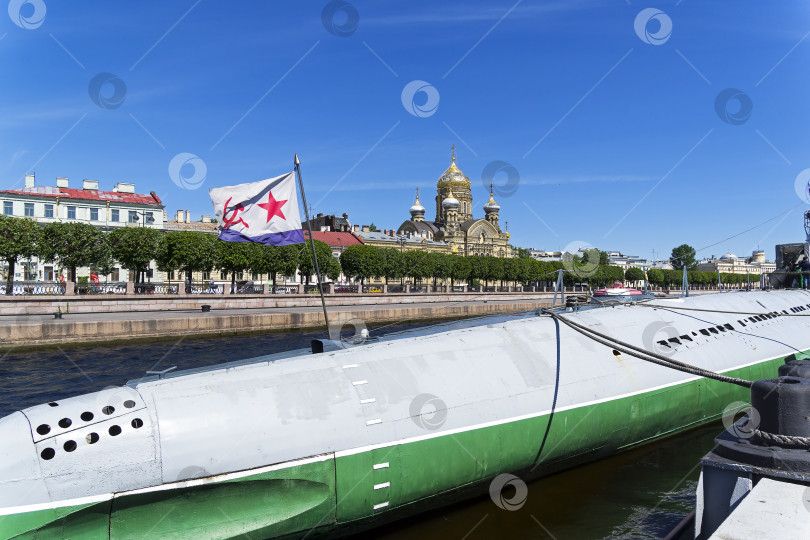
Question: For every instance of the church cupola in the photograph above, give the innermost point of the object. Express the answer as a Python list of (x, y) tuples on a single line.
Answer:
[(491, 208), (417, 210), (456, 181)]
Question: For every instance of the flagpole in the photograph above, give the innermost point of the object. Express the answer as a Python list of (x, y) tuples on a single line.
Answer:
[(312, 242)]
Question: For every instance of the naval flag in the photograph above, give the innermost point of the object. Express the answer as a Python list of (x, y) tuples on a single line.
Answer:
[(265, 212)]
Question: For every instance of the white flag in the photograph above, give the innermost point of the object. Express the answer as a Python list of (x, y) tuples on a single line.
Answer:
[(265, 212)]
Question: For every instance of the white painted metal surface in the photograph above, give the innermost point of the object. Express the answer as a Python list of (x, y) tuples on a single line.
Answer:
[(773, 510)]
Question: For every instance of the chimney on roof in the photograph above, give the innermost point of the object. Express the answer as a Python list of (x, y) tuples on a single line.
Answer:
[(188, 216), (61, 181), (90, 184), (366, 228), (124, 187), (355, 228), (179, 217), (205, 219), (29, 180)]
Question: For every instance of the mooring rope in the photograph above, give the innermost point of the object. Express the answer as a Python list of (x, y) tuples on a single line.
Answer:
[(643, 354)]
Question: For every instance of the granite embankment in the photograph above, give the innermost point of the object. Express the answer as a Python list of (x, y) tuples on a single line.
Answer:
[(28, 322)]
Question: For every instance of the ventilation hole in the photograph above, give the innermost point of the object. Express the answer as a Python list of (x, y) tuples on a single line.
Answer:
[(109, 409), (65, 423), (43, 429), (92, 438), (713, 330), (53, 404), (129, 404), (721, 328), (674, 340), (137, 422), (686, 337), (694, 333), (47, 454), (114, 430), (87, 416), (704, 331), (727, 325), (69, 446), (663, 343)]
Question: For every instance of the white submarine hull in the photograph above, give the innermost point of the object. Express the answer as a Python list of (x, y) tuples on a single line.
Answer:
[(327, 443)]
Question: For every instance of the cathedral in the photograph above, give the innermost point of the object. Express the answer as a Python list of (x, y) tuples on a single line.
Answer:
[(454, 223)]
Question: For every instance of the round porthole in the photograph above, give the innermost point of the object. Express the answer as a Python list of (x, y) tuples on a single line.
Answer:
[(115, 430), (92, 438), (137, 422), (65, 423), (87, 416), (129, 404), (43, 429), (109, 409), (69, 446), (47, 454)]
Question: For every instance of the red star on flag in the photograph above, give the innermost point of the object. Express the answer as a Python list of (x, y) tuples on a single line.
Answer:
[(273, 207)]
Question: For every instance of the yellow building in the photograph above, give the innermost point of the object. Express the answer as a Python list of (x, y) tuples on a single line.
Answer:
[(454, 223)]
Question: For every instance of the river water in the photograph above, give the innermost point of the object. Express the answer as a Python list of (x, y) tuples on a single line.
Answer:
[(643, 493)]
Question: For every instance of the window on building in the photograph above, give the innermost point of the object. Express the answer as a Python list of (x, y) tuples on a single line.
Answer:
[(149, 218), (71, 212), (206, 276), (223, 275), (170, 275), (116, 274), (255, 276), (49, 210), (94, 214), (29, 209), (8, 208), (49, 273), (133, 216), (240, 276), (114, 215)]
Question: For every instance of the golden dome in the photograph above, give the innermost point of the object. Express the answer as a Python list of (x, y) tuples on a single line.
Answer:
[(453, 177)]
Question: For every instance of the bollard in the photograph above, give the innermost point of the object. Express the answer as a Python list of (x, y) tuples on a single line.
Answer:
[(771, 441)]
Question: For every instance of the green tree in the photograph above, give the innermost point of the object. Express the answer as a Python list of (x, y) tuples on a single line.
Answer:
[(393, 264), (362, 262), (683, 255), (72, 245), (523, 253), (134, 248), (274, 260), (305, 264), (459, 268), (656, 277), (418, 265), (19, 239), (187, 252), (233, 257), (439, 264), (634, 274)]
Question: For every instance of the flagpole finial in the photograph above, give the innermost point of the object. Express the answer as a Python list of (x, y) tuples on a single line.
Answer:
[(297, 161)]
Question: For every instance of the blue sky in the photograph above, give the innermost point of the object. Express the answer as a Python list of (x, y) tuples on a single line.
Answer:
[(614, 133)]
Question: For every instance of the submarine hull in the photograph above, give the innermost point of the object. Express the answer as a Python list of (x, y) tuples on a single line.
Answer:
[(331, 443)]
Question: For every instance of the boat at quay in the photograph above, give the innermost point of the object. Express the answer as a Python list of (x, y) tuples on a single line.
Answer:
[(366, 432)]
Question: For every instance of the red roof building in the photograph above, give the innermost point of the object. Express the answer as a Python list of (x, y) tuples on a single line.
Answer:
[(338, 241)]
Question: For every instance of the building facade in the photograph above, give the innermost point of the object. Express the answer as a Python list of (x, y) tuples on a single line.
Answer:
[(108, 210), (731, 264), (454, 223)]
